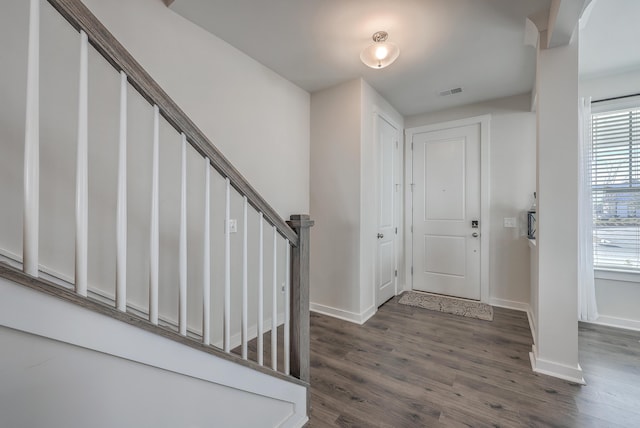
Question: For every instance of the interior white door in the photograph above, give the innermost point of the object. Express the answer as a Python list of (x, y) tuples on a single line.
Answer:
[(446, 203), (387, 152)]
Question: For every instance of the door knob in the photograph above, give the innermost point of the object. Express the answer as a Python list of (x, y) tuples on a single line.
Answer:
[(475, 234), (380, 235)]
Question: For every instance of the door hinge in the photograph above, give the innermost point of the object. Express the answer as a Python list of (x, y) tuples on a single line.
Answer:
[(396, 272), (411, 270), (411, 228), (396, 230), (412, 145), (396, 144)]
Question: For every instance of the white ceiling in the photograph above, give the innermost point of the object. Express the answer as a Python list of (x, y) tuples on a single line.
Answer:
[(609, 40), (475, 44)]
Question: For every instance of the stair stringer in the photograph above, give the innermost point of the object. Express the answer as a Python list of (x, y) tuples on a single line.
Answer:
[(35, 313)]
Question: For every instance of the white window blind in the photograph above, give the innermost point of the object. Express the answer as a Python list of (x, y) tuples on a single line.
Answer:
[(616, 189)]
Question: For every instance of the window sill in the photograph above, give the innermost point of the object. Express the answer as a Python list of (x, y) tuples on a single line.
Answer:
[(616, 275)]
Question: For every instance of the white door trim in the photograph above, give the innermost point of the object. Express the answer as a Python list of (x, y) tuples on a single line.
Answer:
[(379, 113), (484, 123)]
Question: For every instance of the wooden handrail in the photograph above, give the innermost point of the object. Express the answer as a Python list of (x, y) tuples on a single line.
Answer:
[(81, 18)]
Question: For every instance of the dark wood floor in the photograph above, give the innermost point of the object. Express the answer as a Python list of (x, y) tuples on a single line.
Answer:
[(410, 367)]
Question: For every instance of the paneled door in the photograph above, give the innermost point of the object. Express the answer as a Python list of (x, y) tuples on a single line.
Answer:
[(446, 211), (387, 154)]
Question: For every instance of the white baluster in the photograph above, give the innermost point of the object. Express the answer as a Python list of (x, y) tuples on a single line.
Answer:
[(287, 309), (121, 217), (31, 222), (154, 255), (244, 279), (206, 277), (227, 270), (82, 174), (182, 299), (274, 304), (261, 291)]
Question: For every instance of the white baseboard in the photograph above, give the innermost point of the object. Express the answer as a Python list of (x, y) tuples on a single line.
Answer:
[(532, 325), (624, 323), (344, 315), (402, 288), (108, 297), (252, 333), (552, 368), (15, 260), (193, 332), (517, 306), (303, 422), (509, 304), (368, 313)]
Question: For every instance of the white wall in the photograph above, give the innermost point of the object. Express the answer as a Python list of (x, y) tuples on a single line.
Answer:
[(343, 198), (613, 85), (258, 120), (335, 197), (251, 114), (616, 300), (512, 183), (556, 347)]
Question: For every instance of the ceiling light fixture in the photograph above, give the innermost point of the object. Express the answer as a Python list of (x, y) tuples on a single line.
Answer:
[(381, 53)]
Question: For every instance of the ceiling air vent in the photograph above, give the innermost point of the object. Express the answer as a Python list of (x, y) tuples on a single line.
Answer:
[(450, 92)]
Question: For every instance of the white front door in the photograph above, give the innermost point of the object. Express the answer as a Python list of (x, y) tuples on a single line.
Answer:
[(446, 203), (387, 153)]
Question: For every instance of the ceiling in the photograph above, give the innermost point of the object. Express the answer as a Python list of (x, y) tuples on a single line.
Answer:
[(609, 39), (474, 44)]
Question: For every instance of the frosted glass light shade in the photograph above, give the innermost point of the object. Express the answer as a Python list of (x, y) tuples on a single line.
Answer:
[(380, 54)]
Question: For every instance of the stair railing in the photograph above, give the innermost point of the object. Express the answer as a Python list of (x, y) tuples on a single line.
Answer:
[(295, 232)]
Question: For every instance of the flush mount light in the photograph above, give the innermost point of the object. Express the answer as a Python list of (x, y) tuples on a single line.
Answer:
[(381, 53)]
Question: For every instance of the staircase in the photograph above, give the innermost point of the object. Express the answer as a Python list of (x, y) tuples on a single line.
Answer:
[(180, 270)]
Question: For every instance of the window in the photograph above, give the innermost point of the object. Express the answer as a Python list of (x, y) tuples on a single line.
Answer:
[(616, 188)]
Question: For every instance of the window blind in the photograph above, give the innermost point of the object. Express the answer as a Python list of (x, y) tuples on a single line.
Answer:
[(616, 189)]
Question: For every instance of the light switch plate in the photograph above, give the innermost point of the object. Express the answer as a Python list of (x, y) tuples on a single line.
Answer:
[(233, 225), (510, 222)]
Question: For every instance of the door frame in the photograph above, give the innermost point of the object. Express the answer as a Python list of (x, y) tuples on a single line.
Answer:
[(484, 122), (377, 115)]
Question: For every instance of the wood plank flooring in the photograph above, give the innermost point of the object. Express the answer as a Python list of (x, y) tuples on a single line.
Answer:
[(411, 367)]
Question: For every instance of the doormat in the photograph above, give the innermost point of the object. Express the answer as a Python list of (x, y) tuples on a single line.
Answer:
[(450, 305)]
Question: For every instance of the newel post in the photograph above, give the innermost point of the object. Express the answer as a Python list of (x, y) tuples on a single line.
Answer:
[(301, 224)]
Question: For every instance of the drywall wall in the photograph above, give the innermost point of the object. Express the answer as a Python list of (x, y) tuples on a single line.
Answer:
[(612, 85), (257, 119), (556, 347), (616, 300), (66, 366), (618, 303), (335, 199), (343, 156), (512, 183)]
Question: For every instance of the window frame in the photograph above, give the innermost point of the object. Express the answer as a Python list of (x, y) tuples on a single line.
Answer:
[(597, 107)]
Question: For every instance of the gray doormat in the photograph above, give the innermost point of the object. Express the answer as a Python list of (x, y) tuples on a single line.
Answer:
[(450, 305)]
